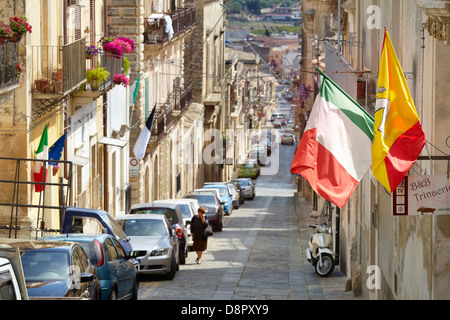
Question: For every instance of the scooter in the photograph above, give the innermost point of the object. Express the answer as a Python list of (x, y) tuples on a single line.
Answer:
[(320, 253)]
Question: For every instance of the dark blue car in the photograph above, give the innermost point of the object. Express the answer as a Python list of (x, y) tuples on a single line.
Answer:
[(57, 270), (114, 268)]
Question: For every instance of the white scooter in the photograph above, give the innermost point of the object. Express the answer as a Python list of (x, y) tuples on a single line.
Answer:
[(320, 252)]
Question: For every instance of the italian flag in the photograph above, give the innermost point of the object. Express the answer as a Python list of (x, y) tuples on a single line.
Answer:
[(398, 135), (335, 150), (39, 174)]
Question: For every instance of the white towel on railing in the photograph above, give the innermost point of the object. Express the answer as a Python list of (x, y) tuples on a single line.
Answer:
[(169, 27)]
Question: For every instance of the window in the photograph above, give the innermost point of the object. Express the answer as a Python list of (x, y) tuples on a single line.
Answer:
[(120, 250), (82, 224), (111, 249)]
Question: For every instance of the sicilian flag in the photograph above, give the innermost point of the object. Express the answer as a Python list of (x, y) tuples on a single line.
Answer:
[(144, 136), (334, 152), (39, 171), (398, 134)]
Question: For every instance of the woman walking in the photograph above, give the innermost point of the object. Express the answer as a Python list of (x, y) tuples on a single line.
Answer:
[(198, 226)]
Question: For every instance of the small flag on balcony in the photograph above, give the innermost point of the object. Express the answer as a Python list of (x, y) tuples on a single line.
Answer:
[(39, 171), (144, 136), (55, 152), (136, 88)]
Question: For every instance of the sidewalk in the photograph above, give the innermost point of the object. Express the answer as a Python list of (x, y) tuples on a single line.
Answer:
[(318, 288)]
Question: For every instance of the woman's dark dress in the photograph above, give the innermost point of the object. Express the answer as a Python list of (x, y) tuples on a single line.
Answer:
[(198, 229)]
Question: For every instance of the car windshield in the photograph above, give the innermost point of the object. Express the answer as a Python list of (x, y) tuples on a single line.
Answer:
[(185, 211), (206, 199), (45, 266), (170, 214), (243, 182), (143, 227), (222, 189)]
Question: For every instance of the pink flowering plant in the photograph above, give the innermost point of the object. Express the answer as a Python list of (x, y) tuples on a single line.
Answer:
[(114, 49), (107, 39), (19, 25), (5, 30), (126, 47), (129, 41), (121, 79)]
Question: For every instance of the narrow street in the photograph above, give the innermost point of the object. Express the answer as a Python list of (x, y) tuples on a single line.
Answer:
[(260, 254)]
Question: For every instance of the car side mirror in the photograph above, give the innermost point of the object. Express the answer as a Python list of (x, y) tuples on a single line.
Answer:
[(188, 223), (86, 277)]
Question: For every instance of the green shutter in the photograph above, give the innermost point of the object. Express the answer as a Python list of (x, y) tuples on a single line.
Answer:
[(147, 98)]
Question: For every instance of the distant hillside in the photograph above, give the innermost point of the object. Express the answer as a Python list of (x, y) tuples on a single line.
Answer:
[(255, 6)]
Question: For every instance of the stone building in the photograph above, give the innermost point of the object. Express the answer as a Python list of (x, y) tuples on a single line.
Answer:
[(386, 256)]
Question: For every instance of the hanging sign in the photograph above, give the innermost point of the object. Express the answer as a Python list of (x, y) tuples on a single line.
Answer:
[(422, 195)]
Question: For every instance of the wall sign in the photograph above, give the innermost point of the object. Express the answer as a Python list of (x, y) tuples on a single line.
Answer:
[(422, 195)]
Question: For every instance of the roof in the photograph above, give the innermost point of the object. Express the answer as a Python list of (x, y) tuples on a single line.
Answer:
[(154, 205), (142, 216), (23, 244)]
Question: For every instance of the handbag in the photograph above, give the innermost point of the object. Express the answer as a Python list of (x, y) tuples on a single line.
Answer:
[(208, 231)]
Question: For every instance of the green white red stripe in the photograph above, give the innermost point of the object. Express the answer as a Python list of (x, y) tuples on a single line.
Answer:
[(335, 150), (39, 175)]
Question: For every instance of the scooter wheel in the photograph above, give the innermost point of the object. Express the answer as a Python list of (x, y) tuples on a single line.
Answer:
[(325, 268)]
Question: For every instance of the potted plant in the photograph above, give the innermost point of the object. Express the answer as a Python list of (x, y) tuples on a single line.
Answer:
[(121, 79), (113, 49), (5, 33), (91, 52), (19, 26), (107, 39), (96, 77)]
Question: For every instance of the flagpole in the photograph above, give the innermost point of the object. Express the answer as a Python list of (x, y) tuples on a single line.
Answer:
[(341, 90)]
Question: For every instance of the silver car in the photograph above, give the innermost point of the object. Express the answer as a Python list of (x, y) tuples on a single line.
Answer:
[(248, 185), (155, 240)]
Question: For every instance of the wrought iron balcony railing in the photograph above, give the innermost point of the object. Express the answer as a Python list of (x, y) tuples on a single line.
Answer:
[(155, 27), (58, 70)]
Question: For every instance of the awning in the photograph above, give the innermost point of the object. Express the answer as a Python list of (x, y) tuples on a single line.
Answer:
[(79, 161), (113, 142)]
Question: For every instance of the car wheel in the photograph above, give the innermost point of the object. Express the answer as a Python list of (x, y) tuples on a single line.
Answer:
[(113, 295), (134, 295), (173, 269)]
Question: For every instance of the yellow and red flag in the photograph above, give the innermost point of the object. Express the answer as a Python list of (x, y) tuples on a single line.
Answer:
[(398, 135)]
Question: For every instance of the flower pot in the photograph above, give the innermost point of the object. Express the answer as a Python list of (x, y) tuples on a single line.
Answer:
[(95, 85), (3, 39), (41, 85), (16, 37)]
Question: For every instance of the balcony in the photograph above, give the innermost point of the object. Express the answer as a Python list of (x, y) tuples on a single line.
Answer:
[(56, 72), (166, 113), (182, 100), (183, 19), (9, 70)]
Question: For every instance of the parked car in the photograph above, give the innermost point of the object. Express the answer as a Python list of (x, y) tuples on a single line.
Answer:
[(188, 210), (57, 269), (248, 185), (224, 195), (249, 170), (172, 211), (240, 191), (12, 280), (115, 269), (214, 213), (214, 191), (258, 155), (282, 120), (154, 238), (82, 220), (234, 195), (287, 138)]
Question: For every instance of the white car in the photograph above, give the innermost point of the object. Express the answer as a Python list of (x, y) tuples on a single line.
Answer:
[(189, 208)]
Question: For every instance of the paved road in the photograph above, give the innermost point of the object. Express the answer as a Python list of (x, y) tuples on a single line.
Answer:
[(259, 255)]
